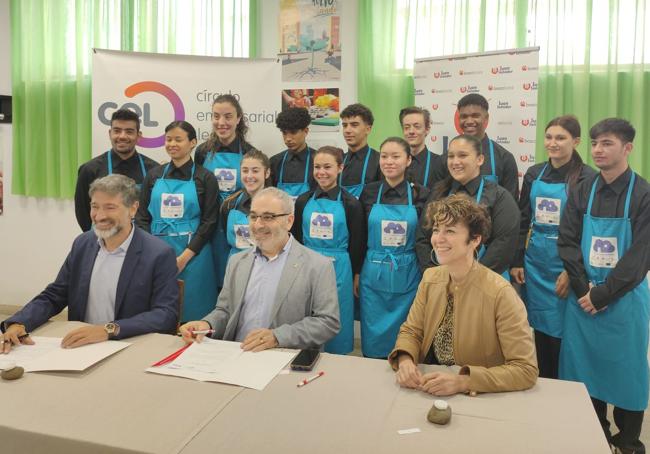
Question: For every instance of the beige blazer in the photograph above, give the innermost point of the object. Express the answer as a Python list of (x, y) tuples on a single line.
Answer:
[(492, 340)]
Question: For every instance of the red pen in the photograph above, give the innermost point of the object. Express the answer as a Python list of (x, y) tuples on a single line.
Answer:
[(310, 379), (172, 357)]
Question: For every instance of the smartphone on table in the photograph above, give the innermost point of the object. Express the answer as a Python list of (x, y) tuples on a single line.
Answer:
[(305, 360)]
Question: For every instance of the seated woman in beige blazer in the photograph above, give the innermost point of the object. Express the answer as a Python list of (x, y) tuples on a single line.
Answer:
[(464, 314)]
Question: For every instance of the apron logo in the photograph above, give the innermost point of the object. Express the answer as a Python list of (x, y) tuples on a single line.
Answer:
[(547, 211), (172, 205), (242, 236), (393, 233), (321, 226), (603, 252), (227, 179)]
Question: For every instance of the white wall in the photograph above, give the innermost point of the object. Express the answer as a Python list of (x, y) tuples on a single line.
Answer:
[(36, 234)]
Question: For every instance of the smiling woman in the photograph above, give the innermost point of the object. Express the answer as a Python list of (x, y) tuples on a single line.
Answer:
[(464, 314)]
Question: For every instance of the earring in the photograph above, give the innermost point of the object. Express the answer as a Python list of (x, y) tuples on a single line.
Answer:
[(433, 258)]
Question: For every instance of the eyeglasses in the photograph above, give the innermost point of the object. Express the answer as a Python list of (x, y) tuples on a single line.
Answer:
[(266, 217)]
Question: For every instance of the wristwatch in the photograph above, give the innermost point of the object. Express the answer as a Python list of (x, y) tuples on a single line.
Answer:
[(112, 329)]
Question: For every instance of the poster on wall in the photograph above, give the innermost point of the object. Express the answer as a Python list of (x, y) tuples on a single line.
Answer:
[(507, 79), (322, 103), (162, 88), (310, 40)]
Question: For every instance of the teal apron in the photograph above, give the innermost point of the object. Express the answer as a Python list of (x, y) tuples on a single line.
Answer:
[(325, 230), (426, 167), (482, 249), (237, 229), (226, 167), (542, 261), (176, 215), (493, 176), (390, 274), (143, 169), (608, 351), (356, 189), (294, 189)]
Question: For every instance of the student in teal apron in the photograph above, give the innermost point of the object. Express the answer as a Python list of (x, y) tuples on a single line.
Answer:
[(426, 167), (603, 242), (464, 160), (538, 266), (292, 170), (361, 163), (390, 273), (179, 204), (221, 154), (122, 158), (499, 165), (255, 172), (330, 221)]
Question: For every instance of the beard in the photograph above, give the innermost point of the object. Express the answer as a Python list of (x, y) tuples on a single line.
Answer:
[(109, 233)]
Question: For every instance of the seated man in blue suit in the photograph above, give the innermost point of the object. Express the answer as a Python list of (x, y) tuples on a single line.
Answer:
[(117, 278)]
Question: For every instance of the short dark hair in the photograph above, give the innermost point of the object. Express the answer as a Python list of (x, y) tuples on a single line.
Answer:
[(335, 152), (619, 127), (293, 119), (358, 110), (415, 110), (185, 126), (459, 208), (473, 99), (126, 115)]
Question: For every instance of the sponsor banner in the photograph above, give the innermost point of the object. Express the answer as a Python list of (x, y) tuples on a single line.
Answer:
[(508, 80), (162, 88)]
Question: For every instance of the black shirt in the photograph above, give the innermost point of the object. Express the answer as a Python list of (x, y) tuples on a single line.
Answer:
[(97, 168), (393, 196), (202, 150), (294, 167), (419, 165), (353, 168), (504, 214), (354, 218), (551, 175), (609, 202), (504, 164), (207, 190), (231, 203)]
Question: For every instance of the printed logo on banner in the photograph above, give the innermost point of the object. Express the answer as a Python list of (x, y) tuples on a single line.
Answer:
[(144, 111), (528, 104), (462, 72), (500, 87), (503, 105), (468, 89), (438, 123), (418, 92), (442, 74), (434, 138), (502, 140), (527, 158), (524, 140), (529, 68), (434, 106), (438, 91), (603, 252), (530, 86), (504, 123), (529, 122), (501, 70)]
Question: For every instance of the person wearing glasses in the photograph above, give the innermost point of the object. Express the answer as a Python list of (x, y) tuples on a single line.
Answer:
[(279, 294)]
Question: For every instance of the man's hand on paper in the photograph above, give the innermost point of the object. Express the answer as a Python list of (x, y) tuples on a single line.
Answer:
[(187, 331), (258, 340), (15, 335), (85, 335)]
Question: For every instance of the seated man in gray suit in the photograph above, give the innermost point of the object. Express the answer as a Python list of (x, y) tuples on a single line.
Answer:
[(279, 294)]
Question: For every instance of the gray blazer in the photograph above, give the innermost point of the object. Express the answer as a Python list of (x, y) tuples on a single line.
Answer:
[(306, 309)]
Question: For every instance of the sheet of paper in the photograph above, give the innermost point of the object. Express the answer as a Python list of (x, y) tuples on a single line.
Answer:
[(47, 355), (225, 362)]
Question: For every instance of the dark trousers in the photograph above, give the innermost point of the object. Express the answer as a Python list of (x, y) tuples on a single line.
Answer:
[(629, 425), (548, 354)]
